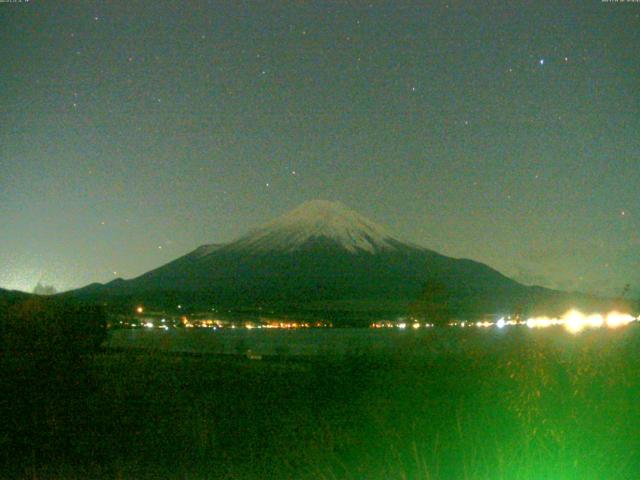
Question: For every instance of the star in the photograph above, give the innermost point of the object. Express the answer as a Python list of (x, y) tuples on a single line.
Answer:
[(542, 61)]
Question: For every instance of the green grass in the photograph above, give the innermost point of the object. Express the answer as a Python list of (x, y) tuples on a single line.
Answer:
[(540, 405)]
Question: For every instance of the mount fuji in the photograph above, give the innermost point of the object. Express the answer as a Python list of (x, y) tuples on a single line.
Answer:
[(323, 257)]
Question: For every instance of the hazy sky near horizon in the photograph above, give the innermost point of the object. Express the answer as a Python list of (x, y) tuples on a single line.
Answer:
[(506, 132)]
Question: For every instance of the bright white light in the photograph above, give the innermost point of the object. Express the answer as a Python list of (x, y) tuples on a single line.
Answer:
[(402, 325), (616, 319), (148, 325), (574, 321), (500, 323)]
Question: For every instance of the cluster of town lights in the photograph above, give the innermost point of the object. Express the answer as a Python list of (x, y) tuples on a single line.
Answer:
[(401, 325), (153, 321), (575, 321)]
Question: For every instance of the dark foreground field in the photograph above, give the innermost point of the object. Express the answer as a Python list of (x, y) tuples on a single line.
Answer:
[(540, 405)]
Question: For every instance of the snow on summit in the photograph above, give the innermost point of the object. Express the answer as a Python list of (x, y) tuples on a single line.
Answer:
[(318, 219)]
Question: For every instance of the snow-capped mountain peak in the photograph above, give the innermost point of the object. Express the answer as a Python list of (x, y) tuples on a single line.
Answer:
[(318, 220)]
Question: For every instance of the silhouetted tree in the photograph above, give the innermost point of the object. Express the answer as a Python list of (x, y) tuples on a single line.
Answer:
[(625, 290), (41, 289)]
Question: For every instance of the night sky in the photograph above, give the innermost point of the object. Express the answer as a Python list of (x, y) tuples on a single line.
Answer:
[(132, 132)]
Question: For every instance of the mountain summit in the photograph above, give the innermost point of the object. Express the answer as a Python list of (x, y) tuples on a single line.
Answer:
[(315, 222)]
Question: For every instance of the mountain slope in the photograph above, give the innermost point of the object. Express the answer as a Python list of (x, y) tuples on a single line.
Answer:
[(323, 256)]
